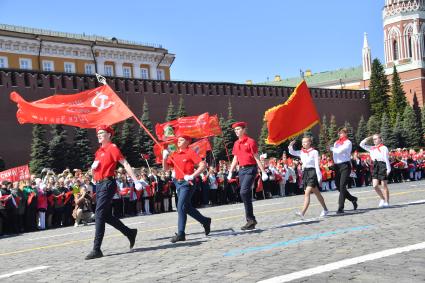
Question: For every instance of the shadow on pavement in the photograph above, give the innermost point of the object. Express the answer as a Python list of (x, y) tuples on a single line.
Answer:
[(190, 243)]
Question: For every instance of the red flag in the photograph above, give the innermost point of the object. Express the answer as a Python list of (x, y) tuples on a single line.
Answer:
[(291, 118), (201, 147), (201, 126), (16, 174), (87, 109), (214, 126)]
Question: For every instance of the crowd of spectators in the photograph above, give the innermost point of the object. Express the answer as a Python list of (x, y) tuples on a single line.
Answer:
[(54, 200)]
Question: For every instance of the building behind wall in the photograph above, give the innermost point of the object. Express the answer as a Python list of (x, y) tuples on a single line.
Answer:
[(49, 51)]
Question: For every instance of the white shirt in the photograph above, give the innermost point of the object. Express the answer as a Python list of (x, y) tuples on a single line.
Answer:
[(342, 152), (309, 159), (378, 153)]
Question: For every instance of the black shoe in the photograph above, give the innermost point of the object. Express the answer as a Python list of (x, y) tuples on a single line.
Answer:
[(355, 204), (207, 226), (178, 238), (94, 254), (250, 225), (132, 237), (340, 211)]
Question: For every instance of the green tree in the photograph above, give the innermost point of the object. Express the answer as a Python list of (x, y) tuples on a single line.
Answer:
[(229, 135), (373, 125), (423, 122), (127, 142), (59, 149), (219, 151), (398, 99), (143, 143), (411, 127), (378, 89), (116, 137), (39, 149), (418, 118), (323, 135), (332, 130), (362, 131), (398, 132), (270, 150), (181, 112), (171, 112), (82, 155), (387, 132)]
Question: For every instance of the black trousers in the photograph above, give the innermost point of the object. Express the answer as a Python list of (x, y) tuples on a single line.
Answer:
[(342, 176), (246, 179), (104, 192)]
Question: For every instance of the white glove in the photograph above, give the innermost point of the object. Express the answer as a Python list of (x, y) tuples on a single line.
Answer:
[(165, 154), (188, 178), (229, 176), (95, 164), (264, 176), (138, 185)]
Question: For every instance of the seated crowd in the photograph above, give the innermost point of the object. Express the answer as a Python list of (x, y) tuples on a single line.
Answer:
[(69, 198)]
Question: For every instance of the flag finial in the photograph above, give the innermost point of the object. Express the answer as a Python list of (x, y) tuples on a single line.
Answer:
[(101, 79)]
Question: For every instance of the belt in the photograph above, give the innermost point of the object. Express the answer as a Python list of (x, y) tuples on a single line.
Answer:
[(248, 166), (180, 180), (110, 178)]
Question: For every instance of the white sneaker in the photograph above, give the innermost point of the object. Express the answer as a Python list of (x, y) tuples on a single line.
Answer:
[(324, 213), (75, 224), (381, 203), (386, 204), (299, 214)]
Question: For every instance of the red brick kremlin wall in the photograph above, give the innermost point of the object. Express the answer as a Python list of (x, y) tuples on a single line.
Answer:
[(249, 102)]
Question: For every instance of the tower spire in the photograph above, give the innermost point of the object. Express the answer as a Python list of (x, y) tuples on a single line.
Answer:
[(367, 58)]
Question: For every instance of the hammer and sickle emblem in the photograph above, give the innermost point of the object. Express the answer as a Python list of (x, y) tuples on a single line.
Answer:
[(99, 101)]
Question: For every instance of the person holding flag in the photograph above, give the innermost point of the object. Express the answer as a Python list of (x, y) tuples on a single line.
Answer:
[(106, 159), (342, 160), (184, 160), (381, 167), (245, 153), (312, 176)]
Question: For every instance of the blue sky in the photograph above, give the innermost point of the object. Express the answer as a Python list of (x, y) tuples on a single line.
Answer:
[(223, 40)]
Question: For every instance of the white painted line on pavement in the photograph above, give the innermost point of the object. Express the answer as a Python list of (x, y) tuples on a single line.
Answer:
[(23, 271), (417, 201), (78, 232), (343, 263)]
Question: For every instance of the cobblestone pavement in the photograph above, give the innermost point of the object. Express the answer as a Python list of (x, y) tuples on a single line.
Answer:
[(281, 245)]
